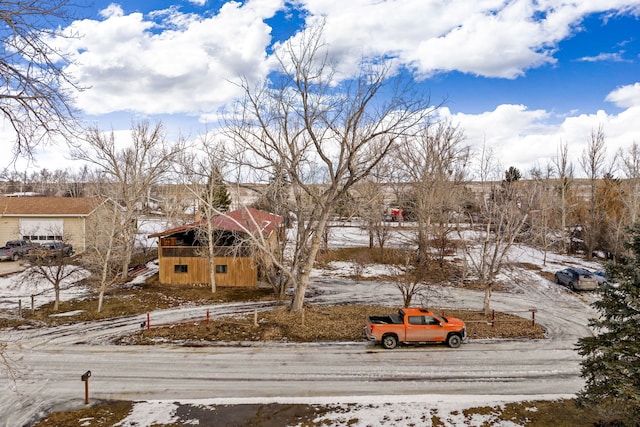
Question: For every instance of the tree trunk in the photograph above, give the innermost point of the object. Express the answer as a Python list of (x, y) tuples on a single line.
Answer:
[(487, 300), (100, 300), (303, 276), (211, 253), (56, 304)]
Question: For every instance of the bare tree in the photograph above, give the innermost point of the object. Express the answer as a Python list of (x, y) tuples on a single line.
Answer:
[(35, 96), (275, 198), (104, 247), (325, 135), (593, 164), (488, 235), (541, 221), (54, 266), (613, 216), (408, 274), (129, 172), (369, 203), (565, 180), (435, 164), (631, 169), (202, 176)]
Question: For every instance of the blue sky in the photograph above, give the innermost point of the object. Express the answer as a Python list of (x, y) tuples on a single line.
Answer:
[(520, 76)]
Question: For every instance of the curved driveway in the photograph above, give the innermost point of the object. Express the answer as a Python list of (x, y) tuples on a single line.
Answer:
[(53, 359)]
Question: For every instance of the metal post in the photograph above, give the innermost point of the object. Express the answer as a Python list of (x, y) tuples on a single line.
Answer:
[(207, 315), (533, 316), (148, 321), (85, 378), (33, 304), (19, 308)]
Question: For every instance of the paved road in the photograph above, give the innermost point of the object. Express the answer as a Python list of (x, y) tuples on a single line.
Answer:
[(353, 369), (52, 360)]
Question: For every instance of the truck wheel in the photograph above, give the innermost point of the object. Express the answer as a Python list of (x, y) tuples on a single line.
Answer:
[(454, 340), (15, 257), (389, 341)]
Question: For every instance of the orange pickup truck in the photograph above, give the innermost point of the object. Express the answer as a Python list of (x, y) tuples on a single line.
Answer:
[(415, 325)]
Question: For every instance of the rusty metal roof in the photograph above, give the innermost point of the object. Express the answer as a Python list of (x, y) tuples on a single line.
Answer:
[(246, 220)]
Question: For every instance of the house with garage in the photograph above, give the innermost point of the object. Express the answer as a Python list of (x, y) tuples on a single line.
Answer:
[(49, 219), (183, 252)]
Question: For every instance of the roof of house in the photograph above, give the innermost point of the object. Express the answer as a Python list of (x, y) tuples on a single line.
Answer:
[(246, 220), (48, 206)]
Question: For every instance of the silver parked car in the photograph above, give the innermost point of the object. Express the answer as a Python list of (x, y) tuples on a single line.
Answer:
[(601, 277), (577, 279)]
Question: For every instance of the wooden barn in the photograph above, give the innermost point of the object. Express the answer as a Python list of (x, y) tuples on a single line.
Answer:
[(183, 254)]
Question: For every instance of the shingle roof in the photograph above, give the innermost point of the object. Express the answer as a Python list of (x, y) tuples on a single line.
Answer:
[(48, 206), (243, 220)]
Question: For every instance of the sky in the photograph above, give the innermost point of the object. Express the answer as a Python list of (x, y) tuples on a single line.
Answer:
[(520, 77)]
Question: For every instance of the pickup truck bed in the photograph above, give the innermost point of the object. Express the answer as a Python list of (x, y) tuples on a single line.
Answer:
[(392, 319)]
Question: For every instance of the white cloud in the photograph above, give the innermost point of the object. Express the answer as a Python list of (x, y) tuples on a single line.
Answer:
[(172, 62), (609, 57), (527, 138), (625, 96), (112, 10), (169, 62), (490, 38), (176, 64)]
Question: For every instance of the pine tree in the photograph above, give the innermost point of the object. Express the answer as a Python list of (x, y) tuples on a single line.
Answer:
[(611, 358), (216, 194)]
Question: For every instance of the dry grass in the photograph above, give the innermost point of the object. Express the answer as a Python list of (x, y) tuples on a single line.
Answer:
[(126, 300), (561, 413), (99, 414), (319, 323)]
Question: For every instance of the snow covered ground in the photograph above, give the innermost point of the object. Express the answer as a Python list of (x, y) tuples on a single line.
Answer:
[(383, 386), (21, 287)]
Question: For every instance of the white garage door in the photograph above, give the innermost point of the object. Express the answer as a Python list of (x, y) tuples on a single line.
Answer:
[(39, 230)]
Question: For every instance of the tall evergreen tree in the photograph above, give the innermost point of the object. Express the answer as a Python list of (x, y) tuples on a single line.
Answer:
[(611, 358), (216, 194)]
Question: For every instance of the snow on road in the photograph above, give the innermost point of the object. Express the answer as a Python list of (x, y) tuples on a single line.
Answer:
[(51, 360)]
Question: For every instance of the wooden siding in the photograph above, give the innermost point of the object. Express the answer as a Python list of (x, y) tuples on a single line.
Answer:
[(241, 271)]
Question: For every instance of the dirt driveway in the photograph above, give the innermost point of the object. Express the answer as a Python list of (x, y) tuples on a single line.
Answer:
[(10, 267)]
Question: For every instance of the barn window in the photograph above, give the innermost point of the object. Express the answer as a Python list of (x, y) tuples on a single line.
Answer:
[(222, 269), (180, 268)]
